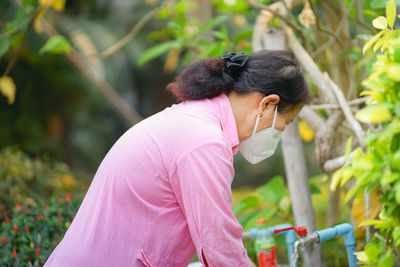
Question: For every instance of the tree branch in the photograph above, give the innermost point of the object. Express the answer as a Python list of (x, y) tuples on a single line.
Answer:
[(135, 29), (356, 101), (111, 95), (347, 112), (319, 27), (313, 119), (26, 33), (338, 30), (310, 67), (277, 14), (16, 28), (336, 163), (358, 21)]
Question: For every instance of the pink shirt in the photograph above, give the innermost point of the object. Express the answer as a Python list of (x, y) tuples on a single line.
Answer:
[(162, 193)]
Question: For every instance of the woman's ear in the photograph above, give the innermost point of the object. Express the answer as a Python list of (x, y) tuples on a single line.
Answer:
[(272, 99)]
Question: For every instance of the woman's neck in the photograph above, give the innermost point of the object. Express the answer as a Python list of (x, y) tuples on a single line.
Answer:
[(245, 111)]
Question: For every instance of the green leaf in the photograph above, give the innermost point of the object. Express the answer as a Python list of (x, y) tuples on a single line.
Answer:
[(347, 175), (387, 260), (372, 84), (397, 109), (247, 203), (57, 44), (393, 71), (351, 193), (348, 148), (211, 24), (397, 54), (395, 143), (341, 176), (372, 250), (362, 257), (390, 178), (391, 13), (372, 41), (376, 223), (272, 191), (156, 51), (380, 4), (314, 189), (267, 214), (380, 23), (378, 44), (397, 192), (243, 36), (390, 130), (375, 113), (396, 234), (210, 48), (4, 46)]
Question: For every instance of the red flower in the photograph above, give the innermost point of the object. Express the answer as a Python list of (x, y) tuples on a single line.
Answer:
[(26, 208), (18, 206), (4, 240), (53, 244), (59, 219), (59, 214), (38, 251), (14, 254), (58, 199), (15, 228), (42, 215), (67, 197), (27, 230), (7, 219), (19, 213), (29, 258)]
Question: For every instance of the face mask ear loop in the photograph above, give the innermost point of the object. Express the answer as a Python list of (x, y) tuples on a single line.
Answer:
[(256, 125), (275, 113)]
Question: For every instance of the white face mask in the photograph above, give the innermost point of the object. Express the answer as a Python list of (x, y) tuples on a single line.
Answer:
[(261, 145)]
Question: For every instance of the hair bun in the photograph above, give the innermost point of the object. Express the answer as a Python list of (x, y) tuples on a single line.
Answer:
[(206, 78)]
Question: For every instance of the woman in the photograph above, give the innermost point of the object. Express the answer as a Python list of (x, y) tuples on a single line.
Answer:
[(163, 191)]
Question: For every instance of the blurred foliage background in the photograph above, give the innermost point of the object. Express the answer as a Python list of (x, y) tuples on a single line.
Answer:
[(61, 62)]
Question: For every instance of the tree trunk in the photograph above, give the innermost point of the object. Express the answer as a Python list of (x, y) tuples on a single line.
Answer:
[(297, 178)]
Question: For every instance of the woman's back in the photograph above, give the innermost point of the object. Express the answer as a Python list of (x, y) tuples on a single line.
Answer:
[(142, 207)]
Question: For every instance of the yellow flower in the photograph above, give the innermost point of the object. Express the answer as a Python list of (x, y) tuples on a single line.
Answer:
[(306, 133)]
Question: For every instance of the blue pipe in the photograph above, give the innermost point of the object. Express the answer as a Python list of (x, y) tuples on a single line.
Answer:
[(347, 231), (290, 236)]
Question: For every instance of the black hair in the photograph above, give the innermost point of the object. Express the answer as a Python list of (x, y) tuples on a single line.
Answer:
[(267, 72)]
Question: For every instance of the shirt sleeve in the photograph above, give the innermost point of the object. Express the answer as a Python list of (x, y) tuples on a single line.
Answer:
[(202, 184)]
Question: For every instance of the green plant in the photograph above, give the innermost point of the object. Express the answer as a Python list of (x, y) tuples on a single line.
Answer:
[(29, 15), (185, 36), (270, 201), (31, 232), (379, 166), (31, 180)]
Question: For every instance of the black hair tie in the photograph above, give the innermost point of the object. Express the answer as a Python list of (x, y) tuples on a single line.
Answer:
[(235, 59)]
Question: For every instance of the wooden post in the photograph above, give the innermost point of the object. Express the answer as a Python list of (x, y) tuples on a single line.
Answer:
[(295, 167), (297, 179)]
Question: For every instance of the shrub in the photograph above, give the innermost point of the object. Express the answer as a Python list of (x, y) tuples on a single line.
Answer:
[(31, 232), (23, 179), (378, 168)]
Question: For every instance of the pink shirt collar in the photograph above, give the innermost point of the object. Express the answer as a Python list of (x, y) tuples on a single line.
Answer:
[(227, 120)]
